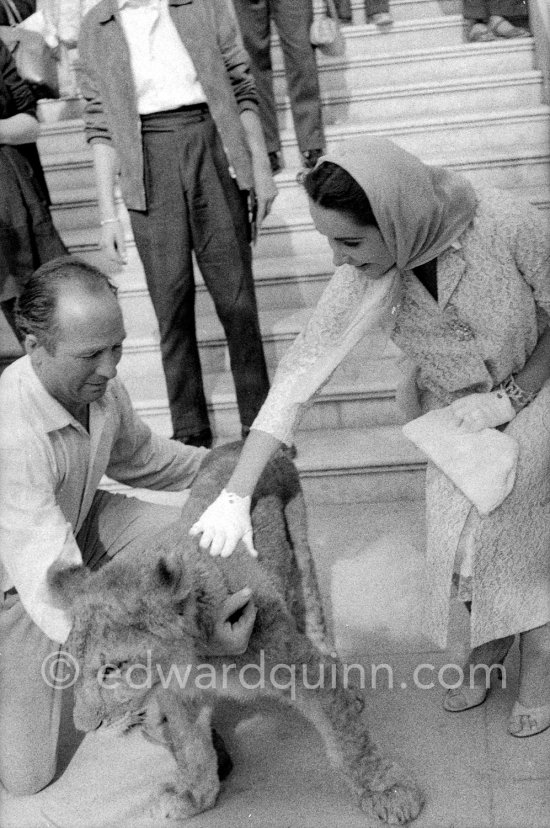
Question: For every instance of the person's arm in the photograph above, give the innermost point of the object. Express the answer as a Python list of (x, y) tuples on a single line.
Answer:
[(19, 126), (265, 190), (523, 229), (98, 135), (141, 458), (19, 129), (349, 307), (34, 533), (237, 64), (112, 231)]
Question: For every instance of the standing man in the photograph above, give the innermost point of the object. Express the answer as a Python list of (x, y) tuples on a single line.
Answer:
[(172, 107), (65, 421), (293, 19)]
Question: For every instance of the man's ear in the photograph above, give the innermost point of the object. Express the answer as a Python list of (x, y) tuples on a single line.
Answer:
[(66, 583)]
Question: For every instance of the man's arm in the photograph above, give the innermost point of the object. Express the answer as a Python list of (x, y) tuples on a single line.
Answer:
[(112, 231), (34, 533)]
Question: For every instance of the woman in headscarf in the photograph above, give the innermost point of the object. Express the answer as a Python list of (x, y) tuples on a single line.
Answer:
[(28, 237), (459, 279)]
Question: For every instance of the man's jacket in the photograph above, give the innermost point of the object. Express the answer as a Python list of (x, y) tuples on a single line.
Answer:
[(209, 32)]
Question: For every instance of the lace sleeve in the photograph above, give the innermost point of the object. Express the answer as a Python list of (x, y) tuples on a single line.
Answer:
[(350, 306)]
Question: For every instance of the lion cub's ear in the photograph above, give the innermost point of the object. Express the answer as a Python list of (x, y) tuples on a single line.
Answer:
[(67, 583), (173, 578)]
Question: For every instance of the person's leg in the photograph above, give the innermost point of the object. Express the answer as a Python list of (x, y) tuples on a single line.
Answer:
[(293, 21), (219, 220), (373, 7), (254, 22), (483, 662), (531, 713), (343, 8), (31, 680), (164, 246), (473, 10)]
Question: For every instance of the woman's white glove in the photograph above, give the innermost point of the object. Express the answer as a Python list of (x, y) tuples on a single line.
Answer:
[(486, 410), (224, 524)]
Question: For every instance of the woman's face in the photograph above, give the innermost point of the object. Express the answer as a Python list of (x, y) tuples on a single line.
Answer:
[(352, 243)]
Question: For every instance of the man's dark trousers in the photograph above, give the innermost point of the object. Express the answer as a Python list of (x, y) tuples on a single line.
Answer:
[(293, 20), (193, 204)]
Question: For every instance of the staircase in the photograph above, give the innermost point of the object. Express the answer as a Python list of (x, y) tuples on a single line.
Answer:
[(476, 108)]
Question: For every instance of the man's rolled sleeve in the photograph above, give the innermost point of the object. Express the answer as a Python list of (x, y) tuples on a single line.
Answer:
[(144, 459), (235, 56)]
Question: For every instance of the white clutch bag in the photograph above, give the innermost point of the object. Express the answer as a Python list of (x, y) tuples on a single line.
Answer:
[(482, 464)]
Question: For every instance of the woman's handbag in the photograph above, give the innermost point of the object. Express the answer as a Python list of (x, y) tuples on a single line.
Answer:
[(325, 32), (34, 57)]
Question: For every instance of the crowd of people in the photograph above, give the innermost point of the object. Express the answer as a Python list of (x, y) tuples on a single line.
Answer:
[(182, 114)]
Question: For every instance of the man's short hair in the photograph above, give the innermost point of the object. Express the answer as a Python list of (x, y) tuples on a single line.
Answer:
[(36, 307)]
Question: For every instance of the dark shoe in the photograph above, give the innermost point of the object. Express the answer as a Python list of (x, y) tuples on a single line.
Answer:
[(290, 451), (225, 765), (275, 162), (310, 157), (245, 431), (201, 438)]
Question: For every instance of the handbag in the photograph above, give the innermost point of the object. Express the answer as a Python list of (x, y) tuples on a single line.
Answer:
[(325, 33), (34, 58)]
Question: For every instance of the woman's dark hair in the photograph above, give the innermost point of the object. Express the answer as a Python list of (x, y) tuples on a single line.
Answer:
[(35, 311), (332, 187)]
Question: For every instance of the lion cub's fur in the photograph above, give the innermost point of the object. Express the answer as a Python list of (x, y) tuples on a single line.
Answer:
[(153, 613)]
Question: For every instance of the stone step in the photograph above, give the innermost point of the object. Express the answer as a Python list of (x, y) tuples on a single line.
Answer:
[(67, 159), (499, 131), (403, 36), (357, 395), (403, 9), (428, 99), (354, 466)]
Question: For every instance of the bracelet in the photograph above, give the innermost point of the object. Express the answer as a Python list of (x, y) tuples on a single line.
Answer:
[(517, 396), (108, 221)]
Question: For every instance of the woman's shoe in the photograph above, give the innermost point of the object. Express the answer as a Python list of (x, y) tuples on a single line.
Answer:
[(501, 27), (479, 33), (463, 698), (528, 721)]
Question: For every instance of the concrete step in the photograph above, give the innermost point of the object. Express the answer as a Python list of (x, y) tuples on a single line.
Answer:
[(67, 159), (354, 466), (359, 465), (404, 35), (499, 131), (403, 9), (357, 395), (428, 99)]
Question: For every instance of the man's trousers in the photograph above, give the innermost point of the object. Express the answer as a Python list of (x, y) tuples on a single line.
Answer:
[(194, 205), (293, 20)]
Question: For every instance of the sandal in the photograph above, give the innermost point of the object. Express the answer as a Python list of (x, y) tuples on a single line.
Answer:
[(479, 33), (528, 721), (464, 698), (501, 27)]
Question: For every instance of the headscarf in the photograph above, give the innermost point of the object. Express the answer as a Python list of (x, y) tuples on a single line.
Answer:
[(420, 210)]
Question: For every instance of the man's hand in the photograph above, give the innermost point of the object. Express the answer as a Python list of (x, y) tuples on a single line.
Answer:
[(232, 629), (477, 411), (224, 524), (265, 193), (113, 243)]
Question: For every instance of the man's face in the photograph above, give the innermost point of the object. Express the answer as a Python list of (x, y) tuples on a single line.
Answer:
[(88, 347)]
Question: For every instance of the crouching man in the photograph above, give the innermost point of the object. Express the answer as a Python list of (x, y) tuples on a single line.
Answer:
[(65, 421)]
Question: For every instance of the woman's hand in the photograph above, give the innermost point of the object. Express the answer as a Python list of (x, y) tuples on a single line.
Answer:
[(231, 637), (486, 410), (224, 524)]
